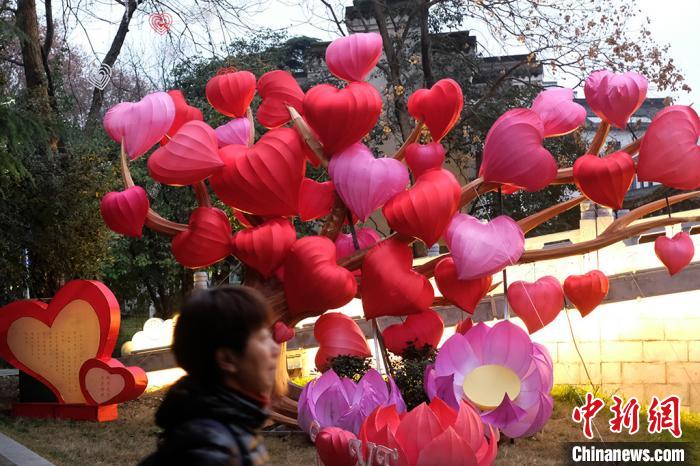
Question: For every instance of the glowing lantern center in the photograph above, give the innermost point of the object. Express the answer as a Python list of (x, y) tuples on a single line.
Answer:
[(486, 385)]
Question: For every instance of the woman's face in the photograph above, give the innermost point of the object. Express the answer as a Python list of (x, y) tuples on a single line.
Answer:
[(256, 368)]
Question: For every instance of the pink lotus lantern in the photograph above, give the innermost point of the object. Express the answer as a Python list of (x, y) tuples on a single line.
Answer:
[(333, 401), (499, 370)]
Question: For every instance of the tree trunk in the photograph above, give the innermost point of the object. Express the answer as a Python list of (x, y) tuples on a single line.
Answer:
[(425, 46), (34, 74)]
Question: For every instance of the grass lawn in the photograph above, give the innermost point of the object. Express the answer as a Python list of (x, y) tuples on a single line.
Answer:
[(133, 436)]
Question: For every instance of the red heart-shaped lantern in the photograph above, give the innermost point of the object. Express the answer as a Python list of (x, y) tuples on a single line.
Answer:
[(315, 199), (206, 241), (538, 303), (264, 247), (313, 282), (605, 180), (423, 157), (586, 291), (615, 97), (465, 294), (464, 326), (338, 335), (183, 113), (125, 212), (425, 210), (282, 333), (389, 285), (676, 252), (341, 117), (190, 156), (669, 152), (333, 446), (439, 108), (107, 381), (423, 328), (278, 90), (264, 179), (231, 93)]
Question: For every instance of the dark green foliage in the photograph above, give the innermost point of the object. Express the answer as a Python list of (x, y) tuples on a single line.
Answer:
[(352, 367), (408, 373)]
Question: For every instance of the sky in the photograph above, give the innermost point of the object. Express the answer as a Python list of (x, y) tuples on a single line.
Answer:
[(672, 21)]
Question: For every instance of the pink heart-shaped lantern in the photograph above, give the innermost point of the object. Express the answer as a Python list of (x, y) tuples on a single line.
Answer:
[(365, 183), (236, 131), (125, 212), (423, 157), (513, 152), (481, 249), (615, 97), (351, 58), (140, 124), (676, 252), (669, 152), (344, 245), (558, 111)]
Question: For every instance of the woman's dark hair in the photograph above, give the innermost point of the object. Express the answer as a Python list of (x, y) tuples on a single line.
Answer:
[(223, 317)]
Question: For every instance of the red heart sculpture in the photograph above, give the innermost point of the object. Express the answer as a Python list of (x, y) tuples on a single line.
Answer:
[(423, 157), (676, 252), (341, 117), (338, 335), (439, 108), (107, 381), (313, 282), (605, 180), (465, 294), (281, 332), (183, 113), (425, 210), (231, 93), (125, 211), (669, 152), (278, 90), (265, 246), (538, 303), (264, 179), (586, 291), (51, 342), (423, 328), (190, 157), (206, 241), (389, 285), (333, 446), (315, 199)]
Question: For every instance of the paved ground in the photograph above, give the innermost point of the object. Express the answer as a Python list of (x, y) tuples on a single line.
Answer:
[(13, 453)]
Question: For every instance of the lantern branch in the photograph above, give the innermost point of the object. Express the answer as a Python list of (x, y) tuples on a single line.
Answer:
[(533, 221), (646, 209), (413, 137), (153, 221), (251, 135), (599, 139), (202, 194), (308, 136)]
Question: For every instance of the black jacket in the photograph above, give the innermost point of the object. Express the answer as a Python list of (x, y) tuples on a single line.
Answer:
[(208, 426)]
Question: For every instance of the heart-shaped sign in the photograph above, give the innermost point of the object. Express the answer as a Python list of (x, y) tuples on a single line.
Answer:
[(481, 249), (264, 179), (313, 282), (264, 247), (236, 131), (190, 157), (465, 294), (615, 97), (439, 108), (558, 111), (365, 183), (669, 152), (231, 93), (389, 285), (425, 210), (421, 329), (51, 342), (513, 152), (107, 381), (125, 212), (183, 113), (676, 252), (605, 180), (538, 303), (278, 90), (338, 335), (315, 199), (341, 117), (333, 446), (282, 333), (423, 157), (586, 291), (140, 124), (352, 57), (206, 241)]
